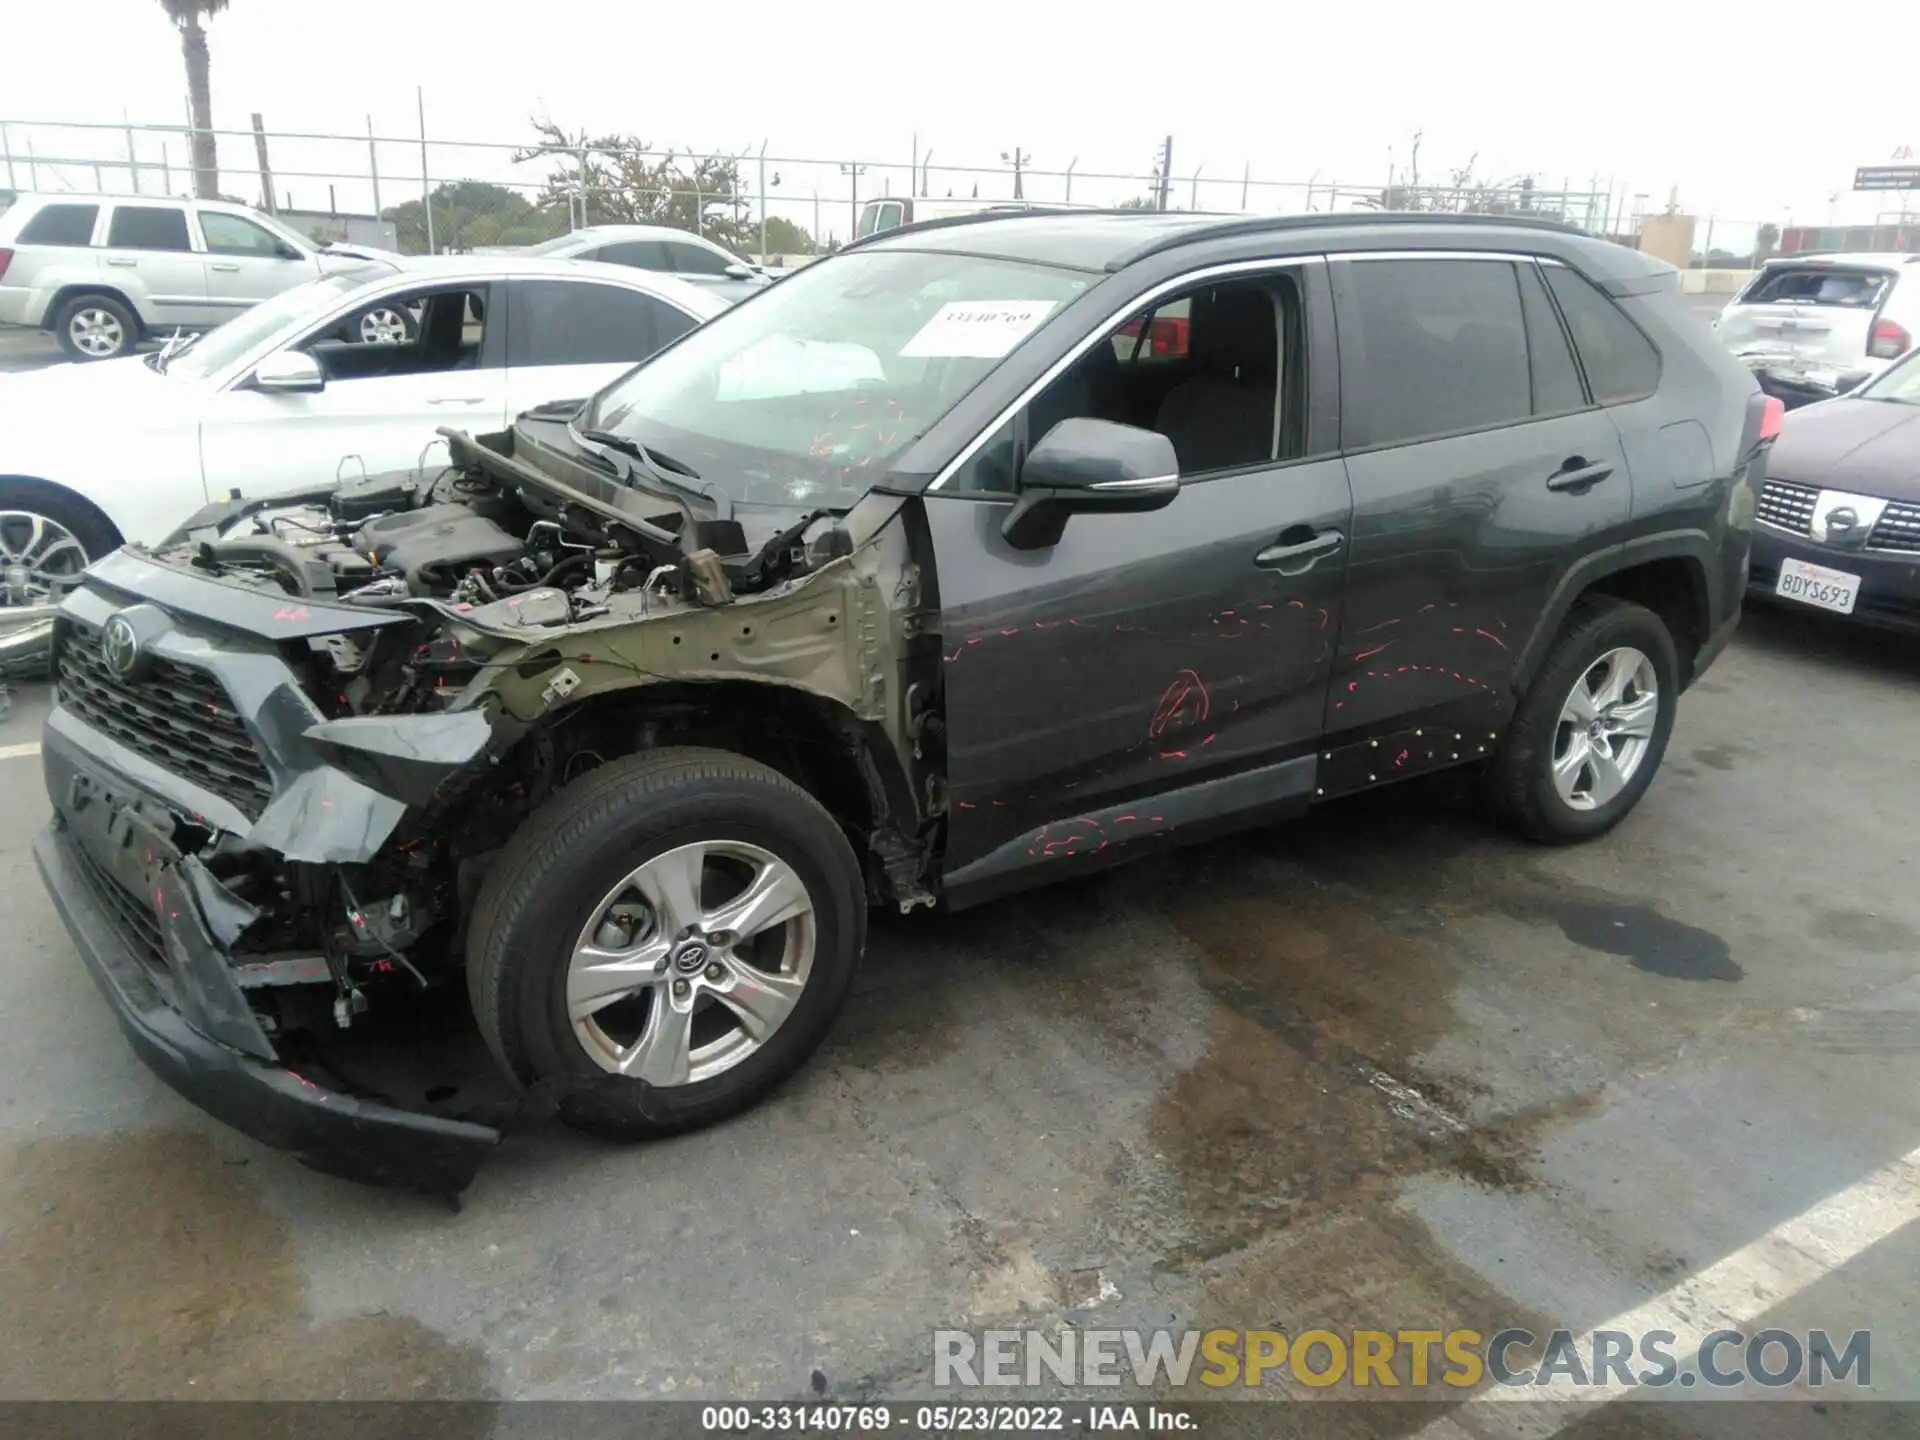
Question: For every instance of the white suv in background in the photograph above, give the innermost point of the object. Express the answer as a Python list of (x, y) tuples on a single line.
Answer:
[(1813, 326), (104, 272)]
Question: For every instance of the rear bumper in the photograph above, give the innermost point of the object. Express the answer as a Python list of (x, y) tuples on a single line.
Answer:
[(1889, 595), (339, 1134)]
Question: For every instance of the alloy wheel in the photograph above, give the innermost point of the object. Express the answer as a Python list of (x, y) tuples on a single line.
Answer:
[(691, 963), (1605, 728), (97, 332), (383, 327), (39, 558)]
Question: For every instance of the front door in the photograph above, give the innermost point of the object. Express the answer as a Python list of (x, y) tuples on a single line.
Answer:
[(1478, 465), (247, 263), (379, 410), (1160, 670)]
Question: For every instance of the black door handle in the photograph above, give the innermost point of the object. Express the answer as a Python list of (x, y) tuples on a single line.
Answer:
[(1299, 556), (1577, 474)]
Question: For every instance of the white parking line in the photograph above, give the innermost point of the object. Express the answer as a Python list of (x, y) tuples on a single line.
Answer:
[(1730, 1294), (19, 752)]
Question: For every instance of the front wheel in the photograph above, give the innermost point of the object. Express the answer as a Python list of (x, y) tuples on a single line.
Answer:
[(669, 938), (1593, 727)]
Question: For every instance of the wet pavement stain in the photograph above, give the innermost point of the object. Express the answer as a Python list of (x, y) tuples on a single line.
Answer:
[(145, 1266), (1719, 757), (1648, 940), (1864, 931)]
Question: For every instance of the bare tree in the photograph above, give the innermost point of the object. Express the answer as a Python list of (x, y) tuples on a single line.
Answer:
[(186, 16), (620, 179)]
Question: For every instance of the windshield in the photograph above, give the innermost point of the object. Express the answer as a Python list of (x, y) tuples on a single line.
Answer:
[(804, 396), (1899, 382), (225, 344)]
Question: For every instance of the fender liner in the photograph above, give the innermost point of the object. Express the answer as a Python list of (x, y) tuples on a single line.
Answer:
[(1692, 545)]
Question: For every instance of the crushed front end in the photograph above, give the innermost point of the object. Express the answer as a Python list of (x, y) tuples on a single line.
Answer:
[(288, 743)]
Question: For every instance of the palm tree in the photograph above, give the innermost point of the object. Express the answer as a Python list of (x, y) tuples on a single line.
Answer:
[(186, 16)]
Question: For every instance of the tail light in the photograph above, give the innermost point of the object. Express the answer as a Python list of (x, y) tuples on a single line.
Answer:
[(1888, 341), (6, 259), (1771, 414)]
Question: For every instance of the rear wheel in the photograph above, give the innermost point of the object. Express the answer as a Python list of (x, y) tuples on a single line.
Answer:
[(669, 938), (1593, 727), (383, 325), (96, 327), (46, 540)]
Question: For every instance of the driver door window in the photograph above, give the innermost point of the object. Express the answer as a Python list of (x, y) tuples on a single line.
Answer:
[(438, 331), (245, 262), (1217, 370)]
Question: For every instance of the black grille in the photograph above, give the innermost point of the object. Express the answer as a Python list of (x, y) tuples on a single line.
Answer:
[(139, 926), (177, 716), (1898, 528), (1788, 507)]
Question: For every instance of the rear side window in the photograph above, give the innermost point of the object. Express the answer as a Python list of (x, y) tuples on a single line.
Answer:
[(638, 254), (1430, 348), (697, 260), (1818, 285), (572, 322), (60, 225), (148, 227), (1620, 362), (1556, 382)]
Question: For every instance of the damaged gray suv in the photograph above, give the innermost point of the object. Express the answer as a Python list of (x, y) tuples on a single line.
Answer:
[(984, 553)]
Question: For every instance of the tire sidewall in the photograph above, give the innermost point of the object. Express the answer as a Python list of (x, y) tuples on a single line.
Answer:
[(129, 327), (1625, 626), (718, 810)]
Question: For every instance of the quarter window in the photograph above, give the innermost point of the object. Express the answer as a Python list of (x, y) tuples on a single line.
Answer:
[(1430, 348), (148, 227), (60, 225), (638, 254), (571, 322), (1620, 362)]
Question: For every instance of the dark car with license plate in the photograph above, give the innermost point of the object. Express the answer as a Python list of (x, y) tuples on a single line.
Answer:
[(1839, 517), (942, 569)]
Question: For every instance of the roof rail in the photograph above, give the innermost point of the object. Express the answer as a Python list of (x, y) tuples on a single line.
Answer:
[(1259, 224), (974, 217)]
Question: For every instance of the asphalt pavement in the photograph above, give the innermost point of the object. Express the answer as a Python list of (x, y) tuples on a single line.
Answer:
[(1385, 1067)]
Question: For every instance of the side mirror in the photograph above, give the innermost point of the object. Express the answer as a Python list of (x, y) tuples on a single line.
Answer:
[(1851, 381), (741, 272), (285, 251), (289, 372), (1093, 466)]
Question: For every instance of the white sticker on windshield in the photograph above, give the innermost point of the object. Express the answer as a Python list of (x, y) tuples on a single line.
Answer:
[(977, 329)]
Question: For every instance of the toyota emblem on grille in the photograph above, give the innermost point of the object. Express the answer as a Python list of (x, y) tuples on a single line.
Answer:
[(120, 646)]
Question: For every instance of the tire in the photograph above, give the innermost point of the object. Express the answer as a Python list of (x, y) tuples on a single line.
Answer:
[(553, 883), (1520, 782), (87, 325), (381, 324), (46, 538)]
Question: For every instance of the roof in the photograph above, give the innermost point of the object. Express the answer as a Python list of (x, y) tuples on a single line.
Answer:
[(694, 299), (598, 233), (1114, 239), (1871, 259)]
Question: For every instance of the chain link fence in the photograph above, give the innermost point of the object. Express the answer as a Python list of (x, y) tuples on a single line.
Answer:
[(424, 193)]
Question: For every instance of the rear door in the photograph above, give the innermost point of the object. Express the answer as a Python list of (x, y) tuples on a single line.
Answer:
[(1479, 468), (1799, 317), (247, 263), (1161, 670), (149, 253), (381, 405), (568, 338)]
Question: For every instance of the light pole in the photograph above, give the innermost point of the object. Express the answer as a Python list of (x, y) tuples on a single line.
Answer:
[(855, 172), (1070, 164), (1016, 157), (925, 161)]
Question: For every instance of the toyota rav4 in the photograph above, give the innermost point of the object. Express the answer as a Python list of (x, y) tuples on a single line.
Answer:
[(920, 579)]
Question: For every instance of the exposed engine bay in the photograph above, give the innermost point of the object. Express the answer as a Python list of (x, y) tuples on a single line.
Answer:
[(489, 529)]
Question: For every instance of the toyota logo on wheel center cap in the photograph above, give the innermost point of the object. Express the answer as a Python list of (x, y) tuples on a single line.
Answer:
[(691, 957)]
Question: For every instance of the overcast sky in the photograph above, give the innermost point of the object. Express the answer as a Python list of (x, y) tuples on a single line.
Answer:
[(1749, 114)]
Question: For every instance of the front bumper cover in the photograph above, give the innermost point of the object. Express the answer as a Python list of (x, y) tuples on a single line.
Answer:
[(335, 1133), (1889, 595)]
